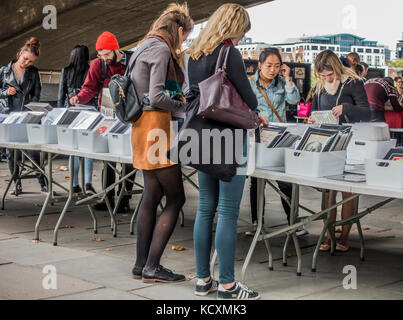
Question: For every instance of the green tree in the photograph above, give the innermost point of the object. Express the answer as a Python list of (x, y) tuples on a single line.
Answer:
[(397, 63)]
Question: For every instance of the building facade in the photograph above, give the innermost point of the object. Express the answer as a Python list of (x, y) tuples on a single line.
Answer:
[(342, 44), (399, 49)]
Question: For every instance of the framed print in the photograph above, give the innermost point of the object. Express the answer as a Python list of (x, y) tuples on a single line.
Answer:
[(317, 140), (299, 73), (394, 154), (269, 134)]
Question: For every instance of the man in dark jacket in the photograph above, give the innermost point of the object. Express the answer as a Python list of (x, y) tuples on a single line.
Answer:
[(110, 61), (379, 91)]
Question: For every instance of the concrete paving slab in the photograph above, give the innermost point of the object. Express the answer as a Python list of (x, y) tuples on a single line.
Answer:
[(361, 293), (107, 271), (26, 252), (101, 294), (178, 291), (395, 286), (25, 283), (5, 236)]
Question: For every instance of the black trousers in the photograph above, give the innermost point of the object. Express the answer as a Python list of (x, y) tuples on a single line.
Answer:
[(111, 178), (285, 188), (35, 155)]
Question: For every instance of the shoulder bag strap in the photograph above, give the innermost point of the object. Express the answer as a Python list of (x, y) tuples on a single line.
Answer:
[(268, 101)]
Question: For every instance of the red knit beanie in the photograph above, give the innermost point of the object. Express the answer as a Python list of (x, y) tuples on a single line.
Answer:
[(107, 41)]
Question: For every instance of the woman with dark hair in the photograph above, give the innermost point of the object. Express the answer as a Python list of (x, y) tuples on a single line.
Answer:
[(158, 78), (73, 76), (71, 80), (272, 82), (20, 83)]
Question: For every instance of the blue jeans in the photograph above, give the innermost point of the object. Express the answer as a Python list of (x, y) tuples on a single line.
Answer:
[(226, 196), (87, 173)]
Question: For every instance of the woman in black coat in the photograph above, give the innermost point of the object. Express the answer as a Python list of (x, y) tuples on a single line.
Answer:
[(20, 84), (339, 89), (71, 80)]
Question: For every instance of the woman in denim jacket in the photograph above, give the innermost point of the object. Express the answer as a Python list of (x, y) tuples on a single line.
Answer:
[(273, 77)]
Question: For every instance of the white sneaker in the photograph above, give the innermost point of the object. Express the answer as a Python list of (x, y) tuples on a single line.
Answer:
[(239, 292), (204, 288), (252, 233), (301, 231)]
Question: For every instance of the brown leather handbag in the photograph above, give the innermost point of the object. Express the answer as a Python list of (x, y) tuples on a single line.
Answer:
[(220, 101)]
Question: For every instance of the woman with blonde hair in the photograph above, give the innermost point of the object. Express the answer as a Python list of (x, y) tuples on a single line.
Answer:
[(158, 79), (341, 90), (226, 27)]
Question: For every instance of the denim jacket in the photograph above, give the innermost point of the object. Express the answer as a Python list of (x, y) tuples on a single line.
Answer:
[(278, 95)]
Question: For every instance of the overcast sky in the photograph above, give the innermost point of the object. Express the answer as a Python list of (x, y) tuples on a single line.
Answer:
[(377, 20)]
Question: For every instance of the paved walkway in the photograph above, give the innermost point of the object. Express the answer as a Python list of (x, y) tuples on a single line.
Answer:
[(90, 269)]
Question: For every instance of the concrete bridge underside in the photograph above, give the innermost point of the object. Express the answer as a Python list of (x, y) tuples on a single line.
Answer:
[(81, 21)]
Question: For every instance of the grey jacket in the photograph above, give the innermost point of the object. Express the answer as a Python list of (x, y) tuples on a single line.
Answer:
[(29, 89), (149, 75)]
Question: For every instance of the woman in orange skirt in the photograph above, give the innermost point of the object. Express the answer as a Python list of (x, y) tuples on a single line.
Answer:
[(158, 79)]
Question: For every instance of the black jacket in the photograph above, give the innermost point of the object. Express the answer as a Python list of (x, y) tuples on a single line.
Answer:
[(66, 91), (354, 100), (203, 68), (198, 71), (29, 90)]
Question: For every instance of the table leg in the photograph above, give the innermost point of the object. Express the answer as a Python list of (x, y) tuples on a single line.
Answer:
[(66, 206), (362, 243), (134, 216), (82, 178), (13, 178), (108, 204), (293, 218), (260, 198), (325, 227), (212, 264), (330, 226), (121, 193), (48, 197)]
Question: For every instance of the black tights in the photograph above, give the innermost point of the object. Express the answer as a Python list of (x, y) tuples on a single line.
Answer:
[(153, 234)]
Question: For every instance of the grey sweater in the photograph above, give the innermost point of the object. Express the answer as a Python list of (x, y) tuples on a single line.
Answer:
[(150, 73)]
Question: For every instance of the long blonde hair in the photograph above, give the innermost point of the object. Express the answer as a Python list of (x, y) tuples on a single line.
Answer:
[(328, 60), (228, 21)]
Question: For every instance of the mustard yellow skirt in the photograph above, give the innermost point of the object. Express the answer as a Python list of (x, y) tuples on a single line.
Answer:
[(151, 139)]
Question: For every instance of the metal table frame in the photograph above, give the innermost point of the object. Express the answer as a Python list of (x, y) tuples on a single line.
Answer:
[(356, 189)]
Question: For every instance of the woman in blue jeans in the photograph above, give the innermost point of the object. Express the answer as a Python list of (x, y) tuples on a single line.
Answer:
[(225, 27)]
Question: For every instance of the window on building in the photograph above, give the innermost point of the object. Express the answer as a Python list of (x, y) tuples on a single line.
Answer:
[(361, 57), (377, 61), (376, 50), (331, 48), (360, 50), (322, 48), (369, 60), (368, 50), (314, 47), (288, 49)]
